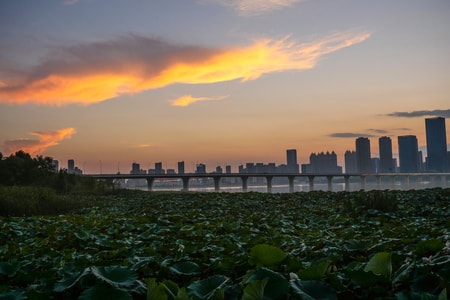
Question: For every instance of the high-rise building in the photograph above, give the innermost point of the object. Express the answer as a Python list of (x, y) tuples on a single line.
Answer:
[(322, 163), (70, 166), (200, 169), (135, 168), (363, 159), (385, 148), (291, 158), (228, 169), (181, 167), (159, 168), (350, 162), (408, 151), (436, 144)]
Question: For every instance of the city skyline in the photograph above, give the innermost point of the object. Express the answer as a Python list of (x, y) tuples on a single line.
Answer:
[(410, 159), (109, 83)]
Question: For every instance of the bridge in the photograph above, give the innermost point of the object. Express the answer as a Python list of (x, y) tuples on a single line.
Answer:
[(436, 179)]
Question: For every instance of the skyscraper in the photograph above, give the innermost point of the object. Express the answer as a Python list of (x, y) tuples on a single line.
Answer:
[(291, 158), (350, 162), (385, 148), (436, 144), (363, 159), (408, 151), (70, 166), (181, 167)]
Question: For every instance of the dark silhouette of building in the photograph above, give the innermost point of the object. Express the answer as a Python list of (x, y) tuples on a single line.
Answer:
[(181, 167), (291, 159), (363, 158), (159, 168), (436, 144), (385, 148), (200, 169), (322, 163), (408, 154), (228, 169), (350, 162), (70, 166)]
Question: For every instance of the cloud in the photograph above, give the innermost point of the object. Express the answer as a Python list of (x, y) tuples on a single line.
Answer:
[(349, 135), (254, 7), (38, 146), (95, 72), (381, 131), (188, 100), (422, 113), (70, 2)]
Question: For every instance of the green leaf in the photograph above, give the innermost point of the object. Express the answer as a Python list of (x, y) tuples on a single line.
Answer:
[(13, 295), (115, 275), (312, 290), (429, 247), (206, 288), (69, 280), (266, 255), (82, 235), (185, 268), (315, 272), (255, 290), (380, 264), (101, 292), (277, 286), (155, 290), (9, 268), (365, 279)]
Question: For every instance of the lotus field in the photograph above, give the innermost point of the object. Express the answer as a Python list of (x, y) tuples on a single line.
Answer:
[(168, 245)]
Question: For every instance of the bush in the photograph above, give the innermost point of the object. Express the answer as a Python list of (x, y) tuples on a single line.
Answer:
[(27, 201)]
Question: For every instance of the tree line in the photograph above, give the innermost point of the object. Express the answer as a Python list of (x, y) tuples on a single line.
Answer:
[(20, 169)]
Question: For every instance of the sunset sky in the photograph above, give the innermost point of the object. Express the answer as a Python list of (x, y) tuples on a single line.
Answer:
[(112, 82)]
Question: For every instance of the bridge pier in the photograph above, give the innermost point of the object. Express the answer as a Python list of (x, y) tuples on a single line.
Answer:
[(291, 183), (406, 183), (347, 183), (363, 182), (269, 184), (244, 183), (330, 183), (378, 177), (217, 184), (150, 184), (185, 184), (311, 182), (392, 180)]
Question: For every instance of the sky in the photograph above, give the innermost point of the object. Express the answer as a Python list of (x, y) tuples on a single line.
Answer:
[(221, 82)]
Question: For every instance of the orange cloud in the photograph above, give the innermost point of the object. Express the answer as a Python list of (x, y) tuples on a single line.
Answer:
[(188, 100), (96, 72), (45, 140)]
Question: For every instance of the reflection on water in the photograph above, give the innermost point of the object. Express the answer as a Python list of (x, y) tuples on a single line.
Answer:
[(205, 186)]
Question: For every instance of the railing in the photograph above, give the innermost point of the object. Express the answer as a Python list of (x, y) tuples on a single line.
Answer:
[(406, 179)]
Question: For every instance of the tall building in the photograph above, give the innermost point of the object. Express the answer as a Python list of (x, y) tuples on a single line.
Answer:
[(291, 158), (159, 168), (350, 162), (363, 159), (181, 167), (408, 151), (385, 148), (200, 169), (436, 144), (322, 163), (70, 166)]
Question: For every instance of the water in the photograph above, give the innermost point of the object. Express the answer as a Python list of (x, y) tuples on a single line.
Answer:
[(235, 187)]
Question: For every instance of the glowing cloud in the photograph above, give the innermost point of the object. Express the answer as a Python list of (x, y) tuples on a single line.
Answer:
[(188, 100), (95, 72), (254, 7), (45, 140)]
